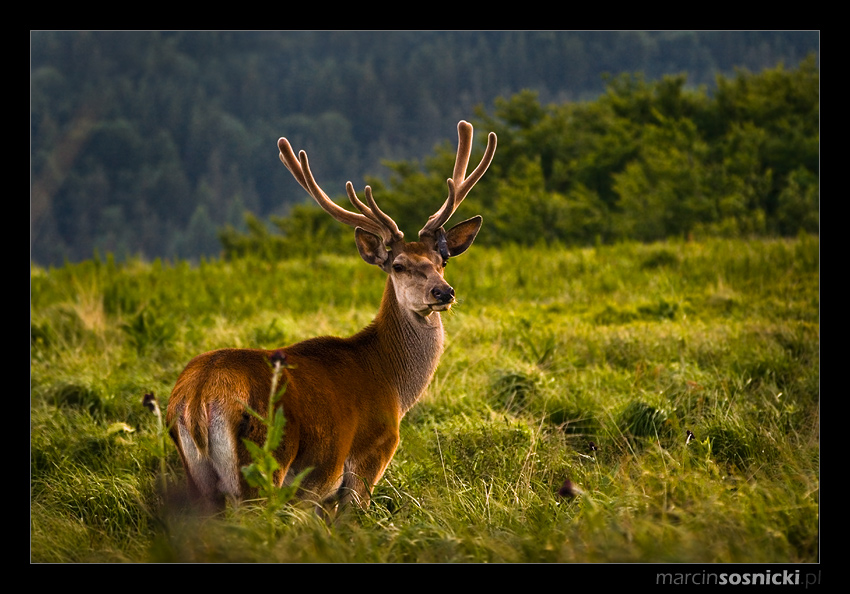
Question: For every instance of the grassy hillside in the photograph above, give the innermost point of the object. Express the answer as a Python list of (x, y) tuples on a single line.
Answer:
[(587, 365)]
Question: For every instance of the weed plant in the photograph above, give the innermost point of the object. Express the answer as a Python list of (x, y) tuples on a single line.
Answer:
[(626, 403)]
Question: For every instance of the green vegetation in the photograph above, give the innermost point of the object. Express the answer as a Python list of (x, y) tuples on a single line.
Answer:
[(145, 143), (627, 346), (632, 373), (646, 161)]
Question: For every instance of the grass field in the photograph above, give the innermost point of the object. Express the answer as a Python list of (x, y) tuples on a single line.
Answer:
[(675, 385)]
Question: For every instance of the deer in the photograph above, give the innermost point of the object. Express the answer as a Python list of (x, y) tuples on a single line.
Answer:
[(343, 398)]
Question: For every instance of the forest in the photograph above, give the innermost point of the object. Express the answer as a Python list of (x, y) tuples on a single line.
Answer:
[(162, 144), (631, 372)]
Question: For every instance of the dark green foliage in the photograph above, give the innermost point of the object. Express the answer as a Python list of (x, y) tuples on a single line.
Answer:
[(307, 230), (577, 421), (646, 161), (732, 443), (83, 396), (640, 419), (511, 390), (653, 160), (148, 329), (149, 142)]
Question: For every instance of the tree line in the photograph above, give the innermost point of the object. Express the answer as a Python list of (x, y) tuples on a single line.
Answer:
[(151, 142), (645, 161)]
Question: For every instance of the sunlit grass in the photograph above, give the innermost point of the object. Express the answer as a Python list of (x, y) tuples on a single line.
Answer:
[(588, 365)]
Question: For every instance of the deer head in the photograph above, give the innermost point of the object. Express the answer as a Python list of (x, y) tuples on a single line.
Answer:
[(415, 268)]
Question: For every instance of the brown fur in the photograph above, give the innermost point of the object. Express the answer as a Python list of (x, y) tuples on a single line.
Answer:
[(344, 397)]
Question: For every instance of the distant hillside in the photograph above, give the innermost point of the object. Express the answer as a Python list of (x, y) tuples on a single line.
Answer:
[(148, 142)]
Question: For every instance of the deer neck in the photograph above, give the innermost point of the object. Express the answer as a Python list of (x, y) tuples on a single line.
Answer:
[(408, 346)]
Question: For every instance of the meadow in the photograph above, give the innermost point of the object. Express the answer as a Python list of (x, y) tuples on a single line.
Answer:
[(619, 403)]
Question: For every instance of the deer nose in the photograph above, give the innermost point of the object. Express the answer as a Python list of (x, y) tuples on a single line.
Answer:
[(443, 294)]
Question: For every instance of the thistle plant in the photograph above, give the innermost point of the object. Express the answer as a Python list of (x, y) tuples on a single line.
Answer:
[(260, 473)]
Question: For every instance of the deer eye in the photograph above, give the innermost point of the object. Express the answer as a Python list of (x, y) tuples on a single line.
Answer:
[(398, 267)]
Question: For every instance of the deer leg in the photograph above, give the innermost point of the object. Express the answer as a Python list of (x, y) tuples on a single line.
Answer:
[(363, 472)]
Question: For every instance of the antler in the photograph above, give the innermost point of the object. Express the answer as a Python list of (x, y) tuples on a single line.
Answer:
[(459, 184), (372, 218)]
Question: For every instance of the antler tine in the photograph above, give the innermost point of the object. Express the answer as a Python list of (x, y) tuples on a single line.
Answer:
[(378, 224), (382, 218), (464, 150), (479, 171), (460, 184), (287, 156), (389, 230)]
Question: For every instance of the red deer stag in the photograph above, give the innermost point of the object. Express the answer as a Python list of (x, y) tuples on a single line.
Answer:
[(344, 397)]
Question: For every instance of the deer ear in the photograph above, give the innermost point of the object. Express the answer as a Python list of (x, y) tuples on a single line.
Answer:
[(371, 247), (461, 236)]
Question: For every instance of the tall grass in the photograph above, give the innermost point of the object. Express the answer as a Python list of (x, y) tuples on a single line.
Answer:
[(592, 366)]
